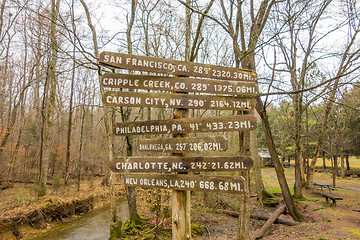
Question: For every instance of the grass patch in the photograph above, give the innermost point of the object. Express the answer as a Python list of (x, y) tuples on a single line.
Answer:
[(308, 199), (22, 197), (319, 208), (278, 190)]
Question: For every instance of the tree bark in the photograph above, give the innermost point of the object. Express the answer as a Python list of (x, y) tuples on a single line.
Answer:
[(334, 172), (290, 204), (271, 220), (260, 217), (55, 4), (81, 145), (342, 164), (68, 143), (2, 9), (259, 184), (131, 192)]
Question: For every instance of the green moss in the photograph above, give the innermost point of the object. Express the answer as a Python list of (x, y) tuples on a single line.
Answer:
[(271, 202), (197, 229), (39, 189), (116, 231)]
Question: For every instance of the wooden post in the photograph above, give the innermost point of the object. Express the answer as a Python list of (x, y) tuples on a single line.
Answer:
[(181, 223), (244, 216)]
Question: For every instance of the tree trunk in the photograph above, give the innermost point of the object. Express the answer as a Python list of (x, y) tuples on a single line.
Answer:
[(2, 9), (244, 215), (336, 165), (342, 165), (259, 184), (51, 99), (68, 144), (290, 204), (81, 145), (347, 162), (298, 148), (270, 221), (131, 192), (334, 172)]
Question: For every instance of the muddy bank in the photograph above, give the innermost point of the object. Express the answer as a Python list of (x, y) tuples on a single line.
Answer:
[(52, 213)]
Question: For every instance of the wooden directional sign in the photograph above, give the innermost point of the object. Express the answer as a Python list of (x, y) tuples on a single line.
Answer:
[(180, 145), (180, 164), (166, 100), (167, 66), (224, 184), (188, 125), (183, 84)]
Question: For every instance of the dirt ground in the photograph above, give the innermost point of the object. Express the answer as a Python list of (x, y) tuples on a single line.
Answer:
[(322, 221)]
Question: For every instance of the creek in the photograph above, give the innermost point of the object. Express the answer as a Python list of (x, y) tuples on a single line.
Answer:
[(94, 225)]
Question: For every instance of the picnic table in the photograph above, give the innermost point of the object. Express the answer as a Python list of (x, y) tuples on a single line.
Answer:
[(318, 185), (322, 185)]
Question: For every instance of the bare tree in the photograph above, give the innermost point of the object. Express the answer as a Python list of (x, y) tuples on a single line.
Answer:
[(115, 222), (347, 65), (51, 75), (299, 19)]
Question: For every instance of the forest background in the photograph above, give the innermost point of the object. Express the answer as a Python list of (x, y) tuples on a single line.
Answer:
[(53, 123)]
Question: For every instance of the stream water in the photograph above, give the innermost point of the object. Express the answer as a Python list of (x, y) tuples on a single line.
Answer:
[(93, 225)]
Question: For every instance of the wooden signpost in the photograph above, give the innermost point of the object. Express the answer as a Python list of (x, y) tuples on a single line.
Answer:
[(202, 82), (173, 67), (187, 125), (224, 184), (184, 84), (166, 100), (180, 164), (179, 145)]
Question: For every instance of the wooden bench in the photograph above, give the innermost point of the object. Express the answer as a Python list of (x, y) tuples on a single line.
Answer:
[(330, 196), (352, 172)]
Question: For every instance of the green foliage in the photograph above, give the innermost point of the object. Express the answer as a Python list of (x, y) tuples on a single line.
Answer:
[(318, 208), (197, 229), (39, 189), (116, 231), (302, 199), (58, 181), (131, 228)]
